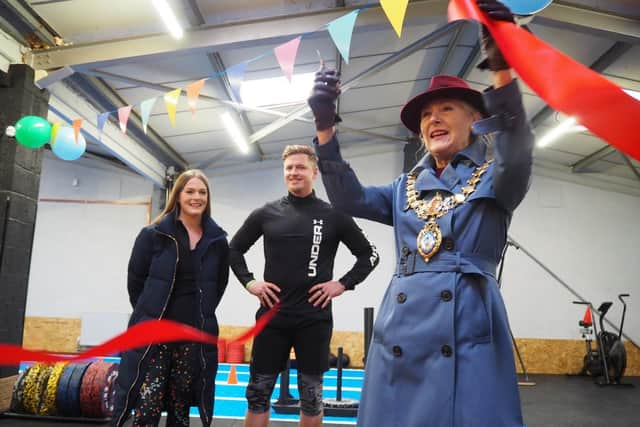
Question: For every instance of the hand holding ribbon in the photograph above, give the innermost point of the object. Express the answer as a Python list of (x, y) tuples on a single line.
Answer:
[(564, 84)]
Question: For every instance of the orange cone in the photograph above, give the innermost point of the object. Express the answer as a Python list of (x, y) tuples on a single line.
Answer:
[(586, 320), (233, 376)]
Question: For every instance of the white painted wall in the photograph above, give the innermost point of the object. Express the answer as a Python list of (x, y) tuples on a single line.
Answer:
[(588, 237), (81, 251)]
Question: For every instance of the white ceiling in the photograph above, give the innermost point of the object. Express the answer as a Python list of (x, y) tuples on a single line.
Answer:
[(121, 55)]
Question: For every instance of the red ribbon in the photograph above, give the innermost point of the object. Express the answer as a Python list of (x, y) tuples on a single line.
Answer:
[(566, 85), (140, 335)]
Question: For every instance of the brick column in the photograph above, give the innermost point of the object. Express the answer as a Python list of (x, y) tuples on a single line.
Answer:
[(19, 186)]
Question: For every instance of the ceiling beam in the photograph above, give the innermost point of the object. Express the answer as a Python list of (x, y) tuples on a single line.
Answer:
[(374, 69), (217, 37), (66, 105), (582, 164), (453, 43), (589, 21), (246, 33), (26, 25), (631, 166)]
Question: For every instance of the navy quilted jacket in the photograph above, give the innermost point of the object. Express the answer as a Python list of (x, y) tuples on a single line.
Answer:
[(150, 281)]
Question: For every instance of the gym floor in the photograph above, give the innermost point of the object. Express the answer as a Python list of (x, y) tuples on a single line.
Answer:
[(555, 401)]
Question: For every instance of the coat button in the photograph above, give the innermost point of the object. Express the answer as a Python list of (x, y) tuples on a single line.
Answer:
[(446, 295), (402, 297), (446, 351), (448, 244), (397, 351)]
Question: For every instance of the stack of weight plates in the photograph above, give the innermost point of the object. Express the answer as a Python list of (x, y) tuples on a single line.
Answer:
[(65, 390)]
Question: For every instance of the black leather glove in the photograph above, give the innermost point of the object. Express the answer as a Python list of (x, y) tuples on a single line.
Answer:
[(494, 60), (326, 88)]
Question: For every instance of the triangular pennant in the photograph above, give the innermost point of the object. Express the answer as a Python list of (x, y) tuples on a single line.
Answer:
[(102, 120), (286, 56), (341, 30), (54, 133), (395, 11), (171, 103), (193, 91), (77, 124), (145, 111), (123, 117), (235, 74)]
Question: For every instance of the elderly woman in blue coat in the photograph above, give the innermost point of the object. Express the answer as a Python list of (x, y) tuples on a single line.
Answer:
[(441, 350), (178, 271)]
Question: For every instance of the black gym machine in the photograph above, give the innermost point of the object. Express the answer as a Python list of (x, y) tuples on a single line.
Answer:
[(606, 362)]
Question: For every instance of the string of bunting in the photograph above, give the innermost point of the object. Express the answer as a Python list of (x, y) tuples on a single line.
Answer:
[(574, 89), (140, 335), (340, 30)]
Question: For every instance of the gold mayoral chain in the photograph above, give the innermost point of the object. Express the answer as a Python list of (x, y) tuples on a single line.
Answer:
[(430, 237)]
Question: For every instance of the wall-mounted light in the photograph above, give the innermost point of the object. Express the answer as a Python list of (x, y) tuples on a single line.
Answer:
[(235, 132), (169, 18)]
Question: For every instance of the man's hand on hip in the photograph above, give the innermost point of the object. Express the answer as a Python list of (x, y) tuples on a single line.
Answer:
[(322, 293), (266, 292)]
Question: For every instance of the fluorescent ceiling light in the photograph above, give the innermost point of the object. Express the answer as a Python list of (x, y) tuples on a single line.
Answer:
[(276, 90), (633, 93), (235, 132), (169, 18), (570, 126), (564, 127)]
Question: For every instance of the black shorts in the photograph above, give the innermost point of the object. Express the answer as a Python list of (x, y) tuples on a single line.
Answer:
[(310, 341)]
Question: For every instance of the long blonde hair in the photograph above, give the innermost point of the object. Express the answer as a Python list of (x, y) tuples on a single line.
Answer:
[(179, 185)]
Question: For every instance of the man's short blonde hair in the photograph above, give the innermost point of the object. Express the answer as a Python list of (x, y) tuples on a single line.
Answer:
[(290, 150)]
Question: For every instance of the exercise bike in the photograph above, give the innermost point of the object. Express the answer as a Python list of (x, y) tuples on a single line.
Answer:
[(608, 360)]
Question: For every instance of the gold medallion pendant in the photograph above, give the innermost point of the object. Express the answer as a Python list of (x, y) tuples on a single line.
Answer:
[(429, 240), (430, 237)]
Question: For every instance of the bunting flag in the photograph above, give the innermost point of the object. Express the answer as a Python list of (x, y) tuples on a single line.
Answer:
[(123, 117), (102, 120), (54, 133), (193, 92), (341, 30), (574, 90), (395, 11), (235, 75), (145, 111), (77, 124), (286, 56), (171, 103), (140, 335)]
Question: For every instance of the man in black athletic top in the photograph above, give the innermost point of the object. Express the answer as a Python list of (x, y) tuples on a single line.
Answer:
[(301, 236)]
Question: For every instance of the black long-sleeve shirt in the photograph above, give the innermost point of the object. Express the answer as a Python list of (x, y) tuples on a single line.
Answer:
[(301, 237)]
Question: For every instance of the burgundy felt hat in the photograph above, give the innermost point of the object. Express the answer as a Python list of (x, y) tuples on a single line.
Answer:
[(440, 87)]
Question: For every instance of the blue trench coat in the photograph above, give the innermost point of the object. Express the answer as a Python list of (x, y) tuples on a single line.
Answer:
[(441, 351)]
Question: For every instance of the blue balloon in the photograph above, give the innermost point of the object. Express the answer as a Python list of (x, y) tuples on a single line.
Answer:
[(65, 145), (526, 7)]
